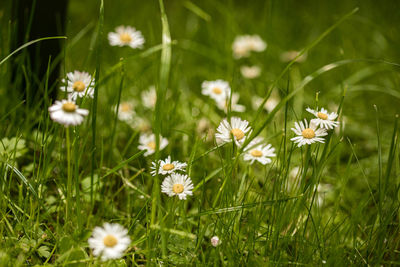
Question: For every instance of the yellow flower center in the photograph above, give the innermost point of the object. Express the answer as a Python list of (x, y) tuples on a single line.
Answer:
[(168, 167), (237, 133), (110, 241), (177, 188), (256, 153), (69, 107), (322, 116), (217, 90), (78, 86), (125, 107), (152, 145), (308, 133), (125, 38)]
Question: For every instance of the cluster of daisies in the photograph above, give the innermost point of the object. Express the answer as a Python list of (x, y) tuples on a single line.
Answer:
[(314, 131), (237, 130), (112, 240)]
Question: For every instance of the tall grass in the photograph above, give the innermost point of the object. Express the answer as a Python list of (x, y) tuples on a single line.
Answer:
[(334, 203)]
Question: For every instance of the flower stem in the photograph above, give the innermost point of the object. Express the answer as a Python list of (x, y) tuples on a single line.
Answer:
[(69, 175)]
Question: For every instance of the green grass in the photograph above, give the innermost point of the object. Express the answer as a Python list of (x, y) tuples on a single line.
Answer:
[(58, 184)]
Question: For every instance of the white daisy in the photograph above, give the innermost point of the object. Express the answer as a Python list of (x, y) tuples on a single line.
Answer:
[(66, 112), (126, 36), (149, 97), (215, 241), (148, 143), (177, 185), (324, 119), (250, 72), (271, 103), (256, 151), (290, 55), (79, 84), (244, 44), (238, 128), (167, 167), (307, 135), (109, 241), (218, 90), (126, 111), (223, 104)]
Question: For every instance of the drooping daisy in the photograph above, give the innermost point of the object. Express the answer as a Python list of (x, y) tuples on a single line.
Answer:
[(223, 105), (307, 134), (167, 167), (66, 112), (218, 90), (215, 241), (79, 84), (177, 185), (126, 111), (126, 36), (148, 143), (244, 44), (149, 97), (258, 151), (324, 119), (237, 128), (250, 72), (109, 241)]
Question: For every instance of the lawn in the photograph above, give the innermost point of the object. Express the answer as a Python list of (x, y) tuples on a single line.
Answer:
[(207, 133)]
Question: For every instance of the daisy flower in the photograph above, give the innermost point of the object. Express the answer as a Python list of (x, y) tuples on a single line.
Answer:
[(177, 185), (126, 111), (250, 72), (149, 97), (307, 134), (126, 36), (271, 103), (215, 242), (237, 128), (218, 90), (66, 112), (148, 143), (290, 55), (244, 44), (223, 105), (79, 84), (324, 119), (109, 241), (167, 167), (259, 152)]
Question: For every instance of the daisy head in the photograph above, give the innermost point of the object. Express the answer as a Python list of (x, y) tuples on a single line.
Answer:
[(250, 72), (78, 84), (109, 241), (149, 97), (215, 241), (244, 44), (126, 36), (126, 111), (307, 134), (223, 104), (218, 90), (177, 185), (167, 166), (67, 113), (323, 118), (237, 129), (147, 142), (257, 151)]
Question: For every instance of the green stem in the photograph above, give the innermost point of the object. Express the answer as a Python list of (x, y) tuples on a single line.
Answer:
[(69, 175)]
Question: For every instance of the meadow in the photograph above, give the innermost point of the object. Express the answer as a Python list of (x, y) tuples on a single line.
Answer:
[(204, 133)]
